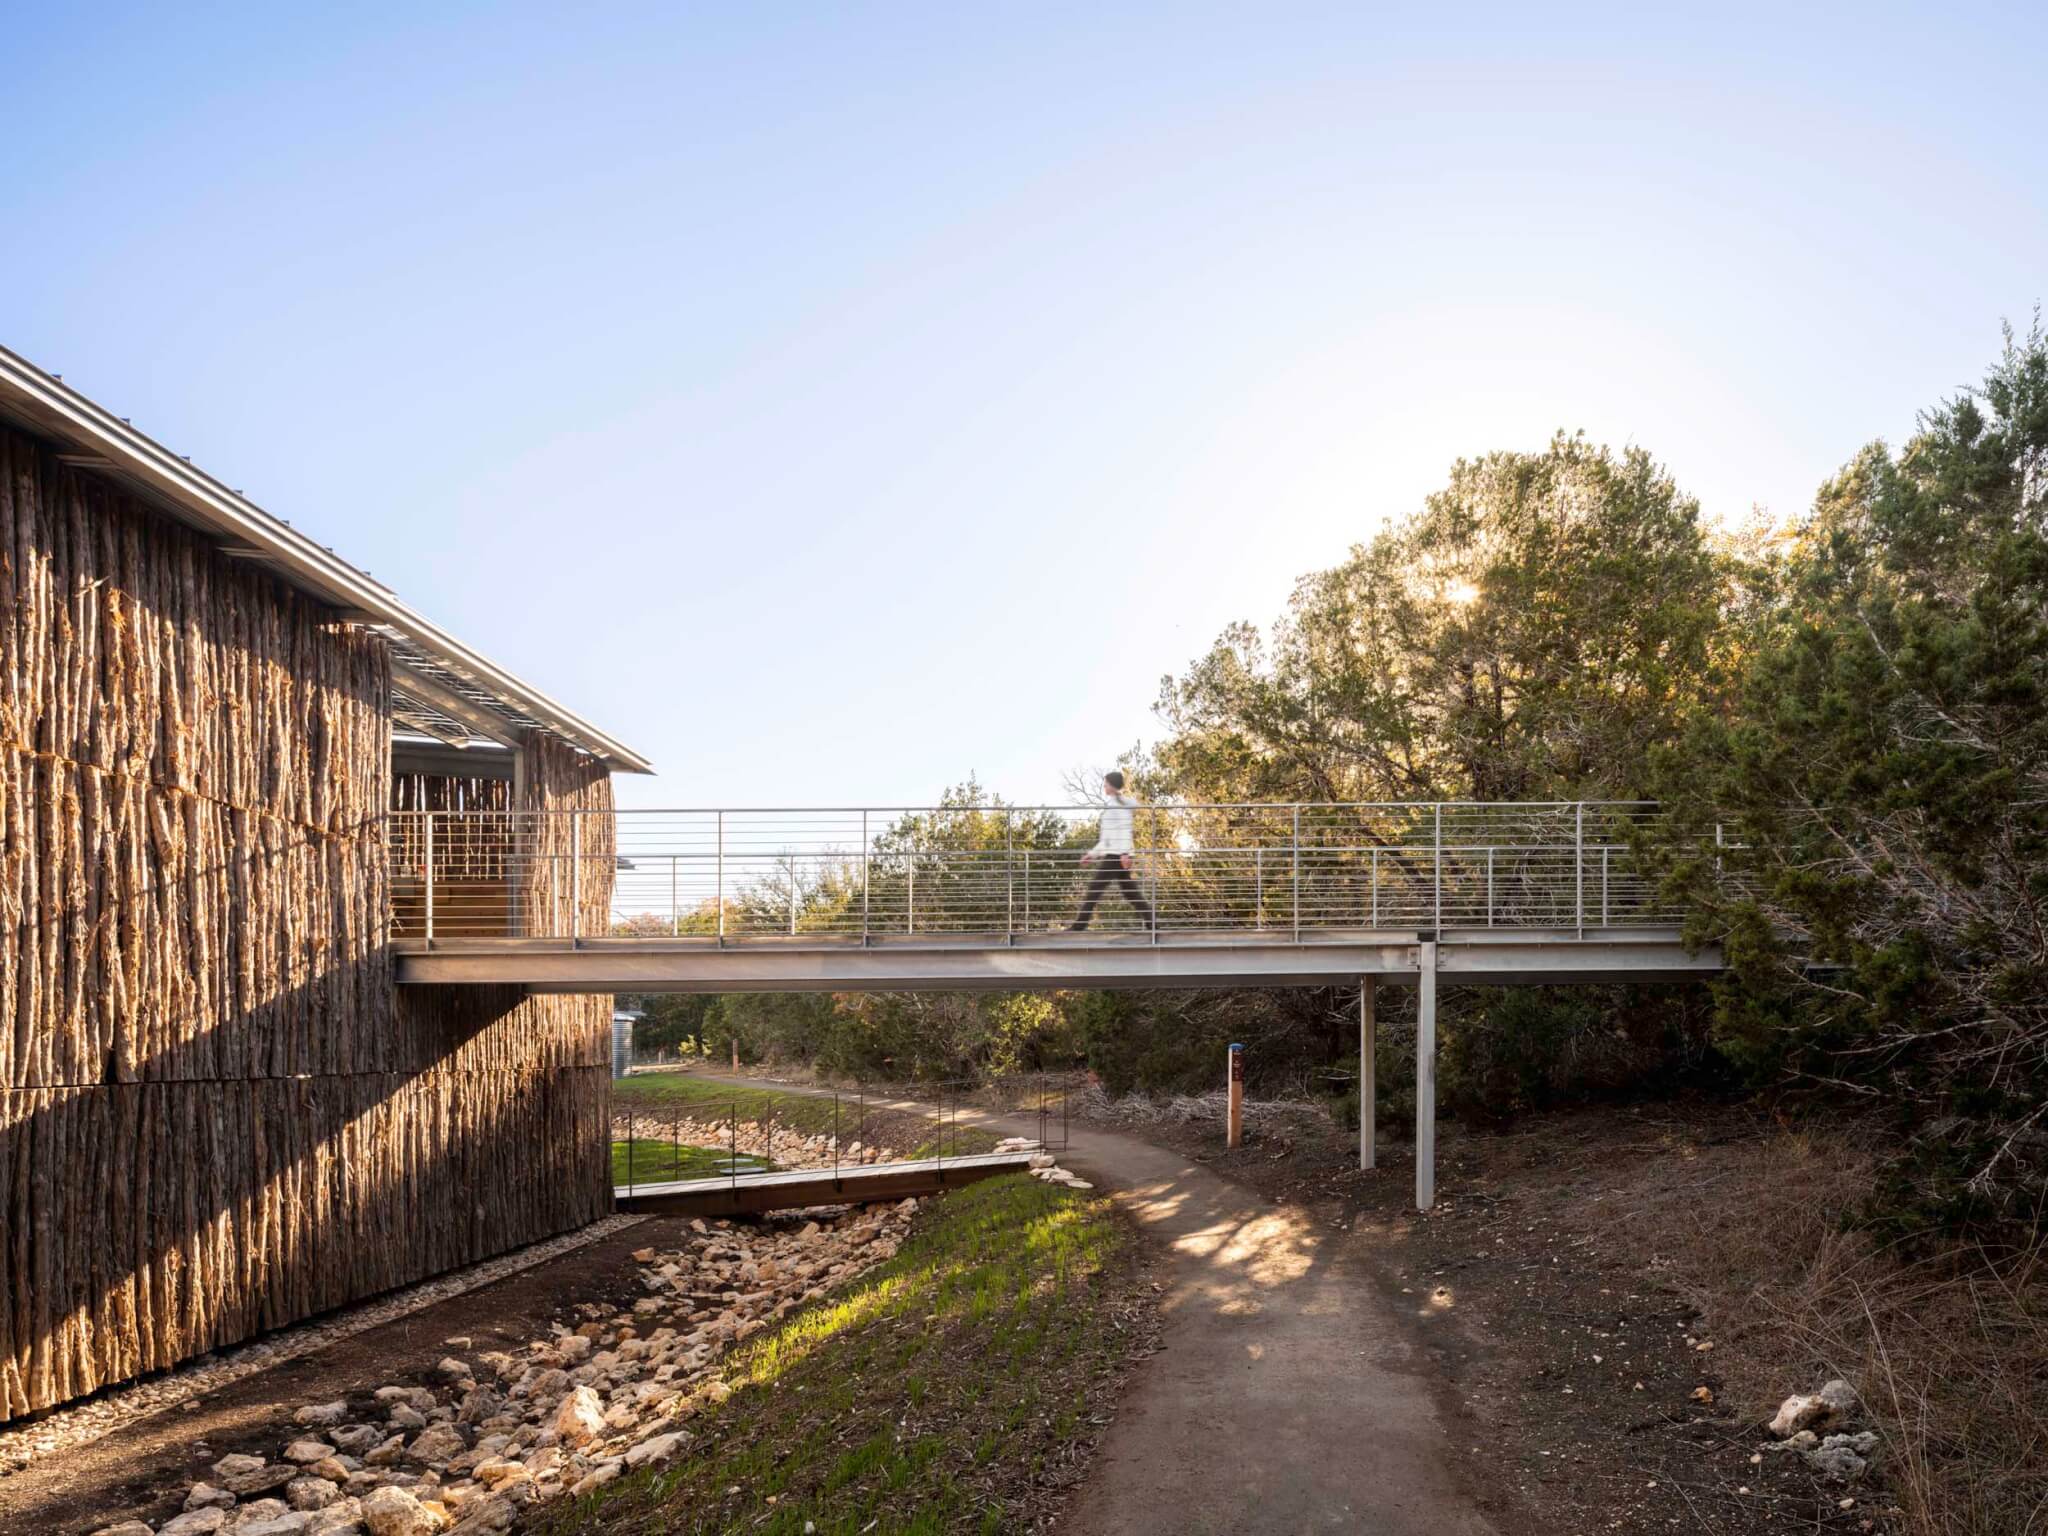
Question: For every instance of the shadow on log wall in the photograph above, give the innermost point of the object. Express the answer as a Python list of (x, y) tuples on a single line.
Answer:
[(217, 1114)]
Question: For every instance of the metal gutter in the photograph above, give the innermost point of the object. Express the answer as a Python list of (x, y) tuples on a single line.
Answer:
[(47, 405)]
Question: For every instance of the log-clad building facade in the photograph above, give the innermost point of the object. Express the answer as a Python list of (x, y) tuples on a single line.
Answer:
[(217, 1113)]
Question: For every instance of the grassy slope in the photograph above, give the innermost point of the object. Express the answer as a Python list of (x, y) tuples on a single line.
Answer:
[(656, 1094), (958, 1386), (652, 1162)]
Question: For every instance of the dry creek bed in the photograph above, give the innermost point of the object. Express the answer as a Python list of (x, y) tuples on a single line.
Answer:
[(496, 1431)]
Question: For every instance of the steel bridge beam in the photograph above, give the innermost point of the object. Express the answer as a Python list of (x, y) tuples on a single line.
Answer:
[(1477, 958)]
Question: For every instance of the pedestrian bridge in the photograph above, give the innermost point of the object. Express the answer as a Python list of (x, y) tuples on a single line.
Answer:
[(986, 897)]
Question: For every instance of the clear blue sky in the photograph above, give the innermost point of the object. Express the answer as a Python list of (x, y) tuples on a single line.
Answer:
[(834, 401)]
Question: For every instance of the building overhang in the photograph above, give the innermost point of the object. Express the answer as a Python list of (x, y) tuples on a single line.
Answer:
[(91, 439)]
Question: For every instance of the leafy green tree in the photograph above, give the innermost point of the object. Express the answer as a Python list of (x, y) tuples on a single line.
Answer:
[(1870, 808), (1534, 631)]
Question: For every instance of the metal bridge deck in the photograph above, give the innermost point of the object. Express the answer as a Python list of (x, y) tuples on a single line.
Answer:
[(1485, 957), (791, 1188)]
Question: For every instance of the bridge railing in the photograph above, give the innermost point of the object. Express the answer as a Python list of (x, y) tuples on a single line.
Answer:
[(1012, 873)]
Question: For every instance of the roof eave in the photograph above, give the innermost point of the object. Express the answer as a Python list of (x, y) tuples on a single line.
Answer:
[(55, 407)]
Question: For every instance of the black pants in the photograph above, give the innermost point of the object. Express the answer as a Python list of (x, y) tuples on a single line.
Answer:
[(1110, 869)]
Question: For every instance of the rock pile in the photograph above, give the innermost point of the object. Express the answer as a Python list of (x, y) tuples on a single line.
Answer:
[(491, 1433), (1044, 1167), (1841, 1456)]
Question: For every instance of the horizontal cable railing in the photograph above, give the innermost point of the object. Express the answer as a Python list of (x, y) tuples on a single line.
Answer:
[(1007, 873)]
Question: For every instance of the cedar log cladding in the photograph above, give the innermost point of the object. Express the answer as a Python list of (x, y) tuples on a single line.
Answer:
[(219, 1114)]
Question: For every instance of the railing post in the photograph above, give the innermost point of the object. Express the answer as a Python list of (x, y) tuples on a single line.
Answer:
[(1375, 887), (430, 878), (1027, 889), (1297, 873), (1439, 873), (575, 875), (1259, 886), (863, 879), (1579, 869), (675, 914), (1604, 851), (1489, 886), (792, 895), (721, 877), (1009, 880), (910, 897)]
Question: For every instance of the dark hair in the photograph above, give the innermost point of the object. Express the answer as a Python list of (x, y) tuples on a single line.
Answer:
[(1114, 779)]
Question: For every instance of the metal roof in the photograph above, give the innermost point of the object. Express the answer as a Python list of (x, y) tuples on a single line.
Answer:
[(440, 686)]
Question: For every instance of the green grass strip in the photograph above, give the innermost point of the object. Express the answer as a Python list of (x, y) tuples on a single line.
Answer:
[(934, 1393), (654, 1162)]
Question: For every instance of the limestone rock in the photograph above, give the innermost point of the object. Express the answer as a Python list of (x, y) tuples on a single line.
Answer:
[(198, 1522), (487, 1517), (237, 1465), (655, 1449), (343, 1518), (306, 1452), (580, 1418), (597, 1477), (1804, 1440), (321, 1415), (206, 1496), (311, 1493), (125, 1528), (1837, 1400), (1843, 1457), (437, 1444), (478, 1404), (395, 1512)]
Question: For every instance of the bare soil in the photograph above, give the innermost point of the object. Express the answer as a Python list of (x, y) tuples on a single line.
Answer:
[(1583, 1281)]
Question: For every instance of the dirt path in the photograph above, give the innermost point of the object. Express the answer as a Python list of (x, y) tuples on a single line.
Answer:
[(1289, 1397)]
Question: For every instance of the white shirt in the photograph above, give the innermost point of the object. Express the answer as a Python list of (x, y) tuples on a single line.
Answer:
[(1116, 826)]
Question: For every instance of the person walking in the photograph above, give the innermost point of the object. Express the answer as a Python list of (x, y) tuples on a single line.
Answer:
[(1111, 857)]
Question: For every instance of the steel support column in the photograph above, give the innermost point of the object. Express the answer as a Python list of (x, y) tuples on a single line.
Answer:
[(1368, 1030), (1425, 1080)]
